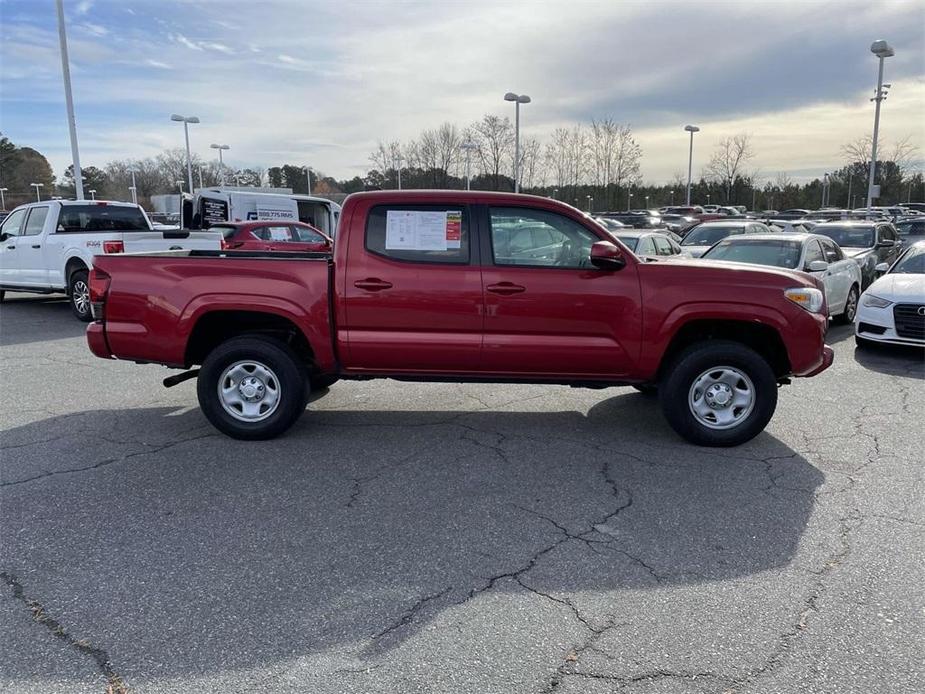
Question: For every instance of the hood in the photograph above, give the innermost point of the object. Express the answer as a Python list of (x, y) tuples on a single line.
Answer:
[(899, 287), (696, 251), (855, 252), (729, 275)]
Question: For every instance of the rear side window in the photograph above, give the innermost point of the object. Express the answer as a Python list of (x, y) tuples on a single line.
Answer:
[(419, 233), (226, 231), (36, 221), (100, 218), (306, 235), (662, 246)]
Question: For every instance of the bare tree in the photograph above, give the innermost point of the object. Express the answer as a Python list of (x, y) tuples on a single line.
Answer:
[(729, 159), (615, 154), (495, 138), (531, 173), (385, 158)]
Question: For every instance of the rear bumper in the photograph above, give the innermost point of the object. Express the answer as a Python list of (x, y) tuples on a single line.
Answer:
[(96, 339)]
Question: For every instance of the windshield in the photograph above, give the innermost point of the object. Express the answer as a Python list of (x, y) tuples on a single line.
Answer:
[(784, 254), (912, 263), (707, 235), (609, 224), (98, 218), (848, 236), (629, 241)]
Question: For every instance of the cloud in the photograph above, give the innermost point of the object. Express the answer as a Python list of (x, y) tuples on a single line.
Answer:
[(158, 64), (183, 41), (83, 7), (94, 29)]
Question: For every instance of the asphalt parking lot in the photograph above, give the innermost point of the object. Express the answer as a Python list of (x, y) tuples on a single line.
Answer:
[(452, 538)]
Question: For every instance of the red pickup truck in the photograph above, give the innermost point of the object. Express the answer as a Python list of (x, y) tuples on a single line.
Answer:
[(460, 286)]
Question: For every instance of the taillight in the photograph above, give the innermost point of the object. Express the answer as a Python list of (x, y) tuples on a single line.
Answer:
[(99, 288), (113, 247)]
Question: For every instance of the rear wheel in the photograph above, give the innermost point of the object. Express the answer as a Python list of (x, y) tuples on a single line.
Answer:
[(78, 291), (718, 393), (252, 387), (851, 307)]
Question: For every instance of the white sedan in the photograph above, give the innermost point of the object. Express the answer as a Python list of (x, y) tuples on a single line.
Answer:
[(892, 309), (811, 253)]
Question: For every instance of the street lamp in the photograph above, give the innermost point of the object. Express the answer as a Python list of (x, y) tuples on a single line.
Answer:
[(308, 177), (92, 192), (672, 198), (555, 193), (590, 200), (708, 198), (132, 188), (38, 197), (69, 101), (882, 50), (180, 186), (647, 202), (825, 184), (469, 147), (690, 159), (629, 200), (518, 99), (221, 164), (186, 120), (3, 198)]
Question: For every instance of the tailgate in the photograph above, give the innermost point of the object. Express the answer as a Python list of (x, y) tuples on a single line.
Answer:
[(147, 241)]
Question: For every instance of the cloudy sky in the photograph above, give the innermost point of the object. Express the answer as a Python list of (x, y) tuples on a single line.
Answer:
[(320, 82)]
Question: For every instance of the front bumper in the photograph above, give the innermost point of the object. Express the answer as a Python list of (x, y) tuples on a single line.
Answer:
[(828, 356), (878, 325)]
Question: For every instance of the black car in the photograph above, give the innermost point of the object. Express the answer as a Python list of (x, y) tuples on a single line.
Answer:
[(868, 243)]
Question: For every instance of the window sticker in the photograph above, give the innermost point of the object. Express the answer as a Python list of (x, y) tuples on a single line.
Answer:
[(416, 230)]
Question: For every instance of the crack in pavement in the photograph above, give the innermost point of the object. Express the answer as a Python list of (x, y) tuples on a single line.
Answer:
[(115, 683), (408, 616)]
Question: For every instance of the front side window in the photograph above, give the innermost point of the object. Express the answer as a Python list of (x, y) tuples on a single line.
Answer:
[(11, 225), (419, 233), (813, 252), (662, 246), (645, 247), (36, 221), (539, 239), (832, 252)]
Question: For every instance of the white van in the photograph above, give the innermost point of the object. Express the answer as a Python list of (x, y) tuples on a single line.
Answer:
[(210, 206)]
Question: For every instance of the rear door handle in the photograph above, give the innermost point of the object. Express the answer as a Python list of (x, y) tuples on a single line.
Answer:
[(372, 284), (505, 288)]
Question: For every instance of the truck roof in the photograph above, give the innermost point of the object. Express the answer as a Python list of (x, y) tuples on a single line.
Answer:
[(472, 196)]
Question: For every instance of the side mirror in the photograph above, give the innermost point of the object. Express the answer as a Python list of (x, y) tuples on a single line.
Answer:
[(607, 256), (881, 268), (4, 236), (886, 243), (817, 266)]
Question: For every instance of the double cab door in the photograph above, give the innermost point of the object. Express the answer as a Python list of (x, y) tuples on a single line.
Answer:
[(496, 291), (22, 248)]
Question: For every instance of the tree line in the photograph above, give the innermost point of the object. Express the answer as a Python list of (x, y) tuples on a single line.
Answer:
[(594, 166)]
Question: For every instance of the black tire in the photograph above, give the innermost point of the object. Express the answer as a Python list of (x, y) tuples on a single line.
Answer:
[(696, 361), (646, 388), (289, 378), (78, 291), (851, 307)]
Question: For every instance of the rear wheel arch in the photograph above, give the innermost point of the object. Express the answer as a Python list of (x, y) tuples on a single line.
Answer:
[(73, 264)]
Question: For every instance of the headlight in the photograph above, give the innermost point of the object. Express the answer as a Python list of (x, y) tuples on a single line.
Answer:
[(875, 301), (807, 297)]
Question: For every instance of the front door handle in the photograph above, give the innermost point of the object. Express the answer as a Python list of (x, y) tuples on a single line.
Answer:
[(372, 284), (12, 248), (505, 288), (38, 245)]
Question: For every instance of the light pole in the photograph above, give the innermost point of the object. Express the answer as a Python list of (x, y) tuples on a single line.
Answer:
[(590, 199), (308, 178), (518, 99), (397, 164), (69, 99), (180, 186), (3, 198), (672, 198), (690, 159), (133, 188), (37, 186), (629, 200), (221, 164), (555, 193), (186, 120), (92, 192), (468, 147), (708, 198), (647, 202), (882, 50), (825, 178)]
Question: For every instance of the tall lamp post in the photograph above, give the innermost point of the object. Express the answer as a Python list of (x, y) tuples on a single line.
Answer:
[(92, 192), (3, 198), (629, 200), (133, 189), (69, 100), (221, 164), (186, 120), (397, 164), (590, 200), (37, 186), (468, 147), (690, 159), (180, 186), (882, 50), (518, 99), (308, 177)]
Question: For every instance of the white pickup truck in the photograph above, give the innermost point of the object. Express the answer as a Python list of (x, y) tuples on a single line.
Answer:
[(48, 247)]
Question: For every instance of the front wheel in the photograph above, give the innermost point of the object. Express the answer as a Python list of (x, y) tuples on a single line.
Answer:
[(78, 291), (252, 388), (718, 393)]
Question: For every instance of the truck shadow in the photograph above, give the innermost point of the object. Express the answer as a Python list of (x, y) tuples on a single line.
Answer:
[(362, 526)]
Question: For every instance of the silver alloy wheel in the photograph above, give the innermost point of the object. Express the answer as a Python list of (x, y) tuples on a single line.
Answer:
[(851, 305), (249, 391), (80, 295), (721, 397)]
